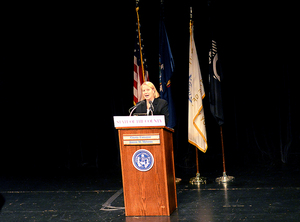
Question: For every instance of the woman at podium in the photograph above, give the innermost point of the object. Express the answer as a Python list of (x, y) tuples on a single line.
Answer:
[(151, 104)]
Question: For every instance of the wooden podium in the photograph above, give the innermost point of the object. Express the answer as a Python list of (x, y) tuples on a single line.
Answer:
[(148, 170)]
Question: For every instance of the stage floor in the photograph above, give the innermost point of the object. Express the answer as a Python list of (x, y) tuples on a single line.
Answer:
[(256, 194)]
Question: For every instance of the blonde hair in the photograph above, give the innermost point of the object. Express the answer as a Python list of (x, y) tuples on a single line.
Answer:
[(151, 85)]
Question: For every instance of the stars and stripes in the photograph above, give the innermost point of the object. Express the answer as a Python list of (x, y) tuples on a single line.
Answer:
[(140, 72)]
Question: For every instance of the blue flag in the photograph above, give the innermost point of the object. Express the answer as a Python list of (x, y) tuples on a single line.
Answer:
[(166, 69)]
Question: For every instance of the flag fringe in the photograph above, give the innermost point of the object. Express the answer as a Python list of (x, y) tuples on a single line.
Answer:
[(199, 131), (195, 144)]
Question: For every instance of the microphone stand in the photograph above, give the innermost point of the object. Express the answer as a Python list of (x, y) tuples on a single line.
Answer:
[(134, 108)]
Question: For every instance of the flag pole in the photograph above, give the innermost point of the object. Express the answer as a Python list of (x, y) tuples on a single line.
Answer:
[(197, 180), (224, 178), (223, 153), (140, 39), (214, 90)]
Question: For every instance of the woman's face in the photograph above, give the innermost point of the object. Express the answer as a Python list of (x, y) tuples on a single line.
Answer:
[(148, 93)]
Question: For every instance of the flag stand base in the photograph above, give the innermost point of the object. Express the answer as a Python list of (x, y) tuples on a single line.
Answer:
[(198, 180), (224, 178)]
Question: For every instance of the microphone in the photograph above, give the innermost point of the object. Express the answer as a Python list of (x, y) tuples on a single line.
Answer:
[(151, 107), (134, 107)]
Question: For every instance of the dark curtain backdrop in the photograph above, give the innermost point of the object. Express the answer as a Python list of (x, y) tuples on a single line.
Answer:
[(68, 69)]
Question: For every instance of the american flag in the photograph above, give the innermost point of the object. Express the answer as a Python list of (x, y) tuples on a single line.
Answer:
[(138, 77)]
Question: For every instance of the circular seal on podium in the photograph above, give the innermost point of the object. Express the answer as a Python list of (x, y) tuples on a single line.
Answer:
[(142, 160)]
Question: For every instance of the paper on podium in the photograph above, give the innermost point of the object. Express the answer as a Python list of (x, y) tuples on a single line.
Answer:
[(132, 121)]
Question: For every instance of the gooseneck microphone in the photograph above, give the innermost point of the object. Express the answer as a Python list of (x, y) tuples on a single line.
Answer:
[(134, 107)]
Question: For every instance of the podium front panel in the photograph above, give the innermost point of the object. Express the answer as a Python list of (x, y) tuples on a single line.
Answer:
[(148, 173)]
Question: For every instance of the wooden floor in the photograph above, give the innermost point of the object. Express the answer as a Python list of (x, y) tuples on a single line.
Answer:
[(256, 194)]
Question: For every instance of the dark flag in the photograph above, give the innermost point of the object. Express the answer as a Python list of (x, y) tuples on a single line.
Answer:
[(215, 78), (166, 69)]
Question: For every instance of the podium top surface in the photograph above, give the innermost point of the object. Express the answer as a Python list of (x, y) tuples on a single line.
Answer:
[(146, 127)]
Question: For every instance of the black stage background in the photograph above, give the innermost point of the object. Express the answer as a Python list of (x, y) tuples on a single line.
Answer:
[(69, 70)]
